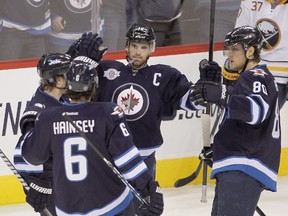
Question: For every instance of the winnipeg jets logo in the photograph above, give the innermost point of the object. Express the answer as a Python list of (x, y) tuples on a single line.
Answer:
[(111, 74), (270, 33), (78, 6), (259, 72), (133, 99), (130, 100)]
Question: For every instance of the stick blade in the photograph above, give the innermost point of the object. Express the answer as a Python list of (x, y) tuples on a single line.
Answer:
[(188, 179)]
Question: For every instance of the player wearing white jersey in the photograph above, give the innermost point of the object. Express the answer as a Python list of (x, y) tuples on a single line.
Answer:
[(270, 17)]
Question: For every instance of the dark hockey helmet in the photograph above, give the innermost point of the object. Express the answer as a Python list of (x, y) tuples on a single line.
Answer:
[(51, 65), (82, 75), (139, 33), (245, 35)]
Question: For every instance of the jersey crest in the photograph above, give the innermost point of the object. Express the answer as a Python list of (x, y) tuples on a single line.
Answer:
[(270, 32), (78, 6), (133, 99)]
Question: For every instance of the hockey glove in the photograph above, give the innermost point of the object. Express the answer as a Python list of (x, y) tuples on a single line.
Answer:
[(155, 200), (212, 92), (89, 46), (207, 155), (74, 48), (27, 121), (209, 71), (38, 194)]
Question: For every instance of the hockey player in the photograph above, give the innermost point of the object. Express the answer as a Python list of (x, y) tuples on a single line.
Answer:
[(51, 69), (145, 92), (83, 183), (246, 149), (270, 18)]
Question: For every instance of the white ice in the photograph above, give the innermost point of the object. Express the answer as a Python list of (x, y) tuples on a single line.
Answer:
[(185, 201)]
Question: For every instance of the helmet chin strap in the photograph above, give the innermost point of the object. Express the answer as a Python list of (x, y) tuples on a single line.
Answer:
[(245, 65)]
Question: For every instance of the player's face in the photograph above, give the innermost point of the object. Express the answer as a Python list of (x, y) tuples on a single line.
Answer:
[(61, 83), (237, 57), (138, 53)]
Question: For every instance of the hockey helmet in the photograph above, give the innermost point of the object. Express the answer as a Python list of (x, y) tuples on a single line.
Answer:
[(139, 33), (245, 35), (82, 75), (51, 65)]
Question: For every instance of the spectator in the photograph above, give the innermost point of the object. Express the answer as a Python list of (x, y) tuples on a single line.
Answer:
[(83, 183), (161, 15), (114, 23), (270, 17), (24, 27), (247, 162), (69, 21), (225, 17), (51, 69)]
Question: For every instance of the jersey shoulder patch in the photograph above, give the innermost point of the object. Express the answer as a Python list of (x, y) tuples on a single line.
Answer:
[(117, 112)]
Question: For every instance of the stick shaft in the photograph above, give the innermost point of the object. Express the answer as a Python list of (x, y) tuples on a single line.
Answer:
[(16, 173)]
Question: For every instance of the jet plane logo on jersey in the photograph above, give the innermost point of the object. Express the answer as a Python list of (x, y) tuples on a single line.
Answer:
[(259, 72), (36, 3), (133, 99), (270, 32), (78, 6), (111, 74)]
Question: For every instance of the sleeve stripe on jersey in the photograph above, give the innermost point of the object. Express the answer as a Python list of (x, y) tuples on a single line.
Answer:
[(135, 171), (259, 109), (28, 168), (188, 105), (126, 157)]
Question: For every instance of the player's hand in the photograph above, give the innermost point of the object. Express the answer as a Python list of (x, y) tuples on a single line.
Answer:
[(27, 121), (209, 71), (212, 92), (38, 194), (207, 155), (90, 46), (155, 200)]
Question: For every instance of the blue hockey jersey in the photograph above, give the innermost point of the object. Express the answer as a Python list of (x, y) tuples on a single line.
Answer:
[(40, 101), (146, 97), (249, 139), (83, 184)]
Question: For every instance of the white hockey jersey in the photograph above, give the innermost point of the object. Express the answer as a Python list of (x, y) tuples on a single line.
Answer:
[(272, 23)]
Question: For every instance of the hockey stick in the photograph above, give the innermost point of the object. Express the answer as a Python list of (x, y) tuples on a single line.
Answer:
[(23, 182), (259, 211), (107, 162), (188, 179), (193, 176)]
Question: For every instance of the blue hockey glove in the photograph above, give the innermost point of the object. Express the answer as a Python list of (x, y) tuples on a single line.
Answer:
[(211, 92), (38, 194), (89, 46), (155, 199), (209, 71)]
